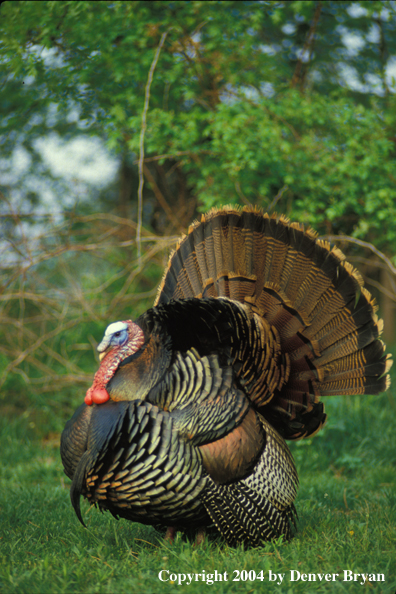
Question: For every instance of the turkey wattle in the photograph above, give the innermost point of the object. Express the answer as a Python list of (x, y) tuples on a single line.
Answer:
[(185, 423)]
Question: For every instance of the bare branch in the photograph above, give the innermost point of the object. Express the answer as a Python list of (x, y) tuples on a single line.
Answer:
[(278, 197), (364, 244), (240, 193), (380, 287), (141, 143), (174, 155), (161, 198)]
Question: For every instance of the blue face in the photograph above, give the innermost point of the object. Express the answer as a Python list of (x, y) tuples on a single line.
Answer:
[(116, 335), (119, 337)]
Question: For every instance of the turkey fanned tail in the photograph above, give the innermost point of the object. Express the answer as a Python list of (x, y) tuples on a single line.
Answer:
[(255, 321)]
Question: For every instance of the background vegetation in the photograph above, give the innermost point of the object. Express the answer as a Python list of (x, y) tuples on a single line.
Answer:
[(287, 105)]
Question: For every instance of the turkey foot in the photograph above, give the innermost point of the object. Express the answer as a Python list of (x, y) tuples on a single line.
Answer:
[(200, 539), (170, 534)]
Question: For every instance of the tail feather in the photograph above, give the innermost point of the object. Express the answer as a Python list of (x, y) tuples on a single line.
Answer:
[(314, 299), (189, 261)]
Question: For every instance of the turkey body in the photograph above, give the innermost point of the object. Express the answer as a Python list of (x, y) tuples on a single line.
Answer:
[(186, 420)]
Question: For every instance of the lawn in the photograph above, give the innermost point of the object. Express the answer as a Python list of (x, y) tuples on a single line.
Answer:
[(346, 506)]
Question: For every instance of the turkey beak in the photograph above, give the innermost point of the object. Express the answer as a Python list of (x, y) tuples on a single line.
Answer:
[(103, 347)]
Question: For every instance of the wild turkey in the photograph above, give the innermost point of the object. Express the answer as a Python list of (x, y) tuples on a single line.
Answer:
[(184, 424)]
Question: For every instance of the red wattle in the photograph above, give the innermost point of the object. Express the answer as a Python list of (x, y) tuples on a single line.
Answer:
[(100, 395), (88, 398), (96, 395)]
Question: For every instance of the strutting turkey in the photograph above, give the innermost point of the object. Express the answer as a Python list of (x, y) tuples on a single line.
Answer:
[(185, 422)]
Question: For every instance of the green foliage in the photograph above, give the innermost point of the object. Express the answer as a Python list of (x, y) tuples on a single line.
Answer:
[(346, 506), (316, 149), (248, 99)]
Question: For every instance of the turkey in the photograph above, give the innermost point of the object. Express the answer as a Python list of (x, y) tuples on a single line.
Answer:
[(185, 423)]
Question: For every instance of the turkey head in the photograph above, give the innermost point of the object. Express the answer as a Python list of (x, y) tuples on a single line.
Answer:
[(121, 340)]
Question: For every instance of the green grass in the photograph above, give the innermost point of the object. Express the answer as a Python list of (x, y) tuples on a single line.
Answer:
[(346, 506)]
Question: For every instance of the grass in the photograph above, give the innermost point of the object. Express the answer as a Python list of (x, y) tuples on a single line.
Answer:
[(346, 506)]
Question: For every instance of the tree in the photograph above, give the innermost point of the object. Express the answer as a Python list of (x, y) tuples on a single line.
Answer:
[(247, 98)]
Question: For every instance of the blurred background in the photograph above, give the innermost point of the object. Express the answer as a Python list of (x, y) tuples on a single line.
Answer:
[(290, 106)]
